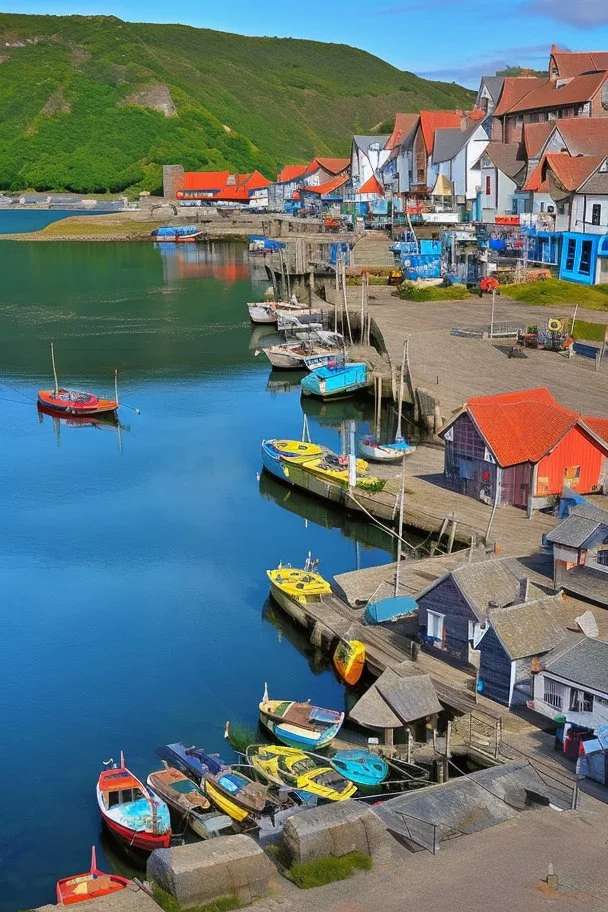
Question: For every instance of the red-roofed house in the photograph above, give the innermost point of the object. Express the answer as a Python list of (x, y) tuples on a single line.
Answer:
[(294, 178), (523, 448), (220, 187), (423, 177)]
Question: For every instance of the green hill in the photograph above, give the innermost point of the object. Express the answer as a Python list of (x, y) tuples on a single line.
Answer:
[(94, 104)]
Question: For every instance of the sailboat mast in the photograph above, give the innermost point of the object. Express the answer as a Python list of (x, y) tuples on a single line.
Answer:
[(54, 369), (399, 435), (400, 531), (116, 386)]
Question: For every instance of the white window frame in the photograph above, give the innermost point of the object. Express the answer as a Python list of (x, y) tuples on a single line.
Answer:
[(553, 693), (438, 624)]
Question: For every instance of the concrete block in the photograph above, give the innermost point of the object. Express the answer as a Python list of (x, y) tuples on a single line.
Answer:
[(201, 872), (335, 829), (129, 900)]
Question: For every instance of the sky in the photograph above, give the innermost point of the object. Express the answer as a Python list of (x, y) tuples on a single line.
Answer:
[(451, 40)]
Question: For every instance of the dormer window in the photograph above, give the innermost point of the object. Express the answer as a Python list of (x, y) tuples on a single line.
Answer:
[(603, 168), (560, 83)]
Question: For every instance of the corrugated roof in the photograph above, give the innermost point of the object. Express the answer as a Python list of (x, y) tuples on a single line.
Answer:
[(372, 185), (431, 121), (527, 629), (584, 663), (536, 135), (409, 698), (507, 157), (205, 180), (291, 172), (575, 63), (514, 89), (404, 125), (489, 581), (572, 172), (547, 95)]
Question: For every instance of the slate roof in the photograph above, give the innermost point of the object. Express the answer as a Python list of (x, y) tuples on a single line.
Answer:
[(489, 581), (521, 426), (584, 662), (448, 143), (394, 701), (575, 63), (547, 94), (514, 89), (527, 629), (431, 121), (580, 525), (586, 583), (494, 86), (506, 157), (405, 124), (597, 183)]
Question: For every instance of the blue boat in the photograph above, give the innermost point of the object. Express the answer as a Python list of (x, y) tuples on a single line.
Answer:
[(177, 233), (360, 766), (389, 609), (335, 380)]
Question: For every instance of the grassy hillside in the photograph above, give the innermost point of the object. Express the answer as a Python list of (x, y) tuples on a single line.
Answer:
[(94, 104)]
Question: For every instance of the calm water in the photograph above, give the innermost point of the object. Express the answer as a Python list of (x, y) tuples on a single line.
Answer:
[(132, 563), (14, 221)]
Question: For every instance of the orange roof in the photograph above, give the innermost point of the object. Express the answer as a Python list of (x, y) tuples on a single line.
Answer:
[(116, 779), (476, 114), (205, 180), (327, 187), (372, 185), (575, 63), (536, 181), (256, 181), (333, 165), (514, 88), (535, 137), (291, 172), (430, 121), (547, 95), (521, 426), (599, 426), (404, 124), (233, 194), (572, 172), (584, 135)]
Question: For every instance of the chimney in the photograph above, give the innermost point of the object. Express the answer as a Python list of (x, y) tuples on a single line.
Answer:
[(524, 589)]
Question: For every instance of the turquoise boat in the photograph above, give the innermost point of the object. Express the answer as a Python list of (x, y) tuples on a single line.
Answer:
[(336, 380), (389, 609), (360, 766)]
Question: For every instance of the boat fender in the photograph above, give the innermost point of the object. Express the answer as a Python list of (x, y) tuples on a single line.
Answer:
[(555, 325)]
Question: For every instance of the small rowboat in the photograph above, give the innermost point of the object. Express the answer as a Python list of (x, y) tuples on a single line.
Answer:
[(62, 401), (133, 815), (91, 885), (182, 795), (302, 585), (349, 660), (300, 724), (371, 448), (360, 766), (294, 769)]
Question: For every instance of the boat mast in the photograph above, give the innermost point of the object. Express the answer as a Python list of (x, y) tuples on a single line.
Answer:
[(400, 530), (116, 387), (54, 369), (399, 435)]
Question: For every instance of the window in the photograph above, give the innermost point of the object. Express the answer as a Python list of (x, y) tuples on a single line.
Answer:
[(584, 267), (553, 694), (434, 625), (488, 185), (596, 214), (570, 254), (602, 558), (534, 118), (580, 701)]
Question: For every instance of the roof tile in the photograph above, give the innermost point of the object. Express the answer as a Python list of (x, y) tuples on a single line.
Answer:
[(430, 121), (372, 185), (572, 172), (575, 63), (547, 95), (404, 124), (514, 89)]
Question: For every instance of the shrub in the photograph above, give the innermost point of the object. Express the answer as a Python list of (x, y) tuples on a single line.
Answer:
[(409, 291), (555, 292)]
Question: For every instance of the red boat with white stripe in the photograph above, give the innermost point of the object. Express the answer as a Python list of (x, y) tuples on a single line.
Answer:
[(134, 816)]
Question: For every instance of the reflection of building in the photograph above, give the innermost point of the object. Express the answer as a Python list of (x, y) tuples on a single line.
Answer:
[(224, 262)]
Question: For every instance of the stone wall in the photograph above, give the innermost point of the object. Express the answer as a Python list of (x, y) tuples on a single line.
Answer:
[(197, 874), (335, 829)]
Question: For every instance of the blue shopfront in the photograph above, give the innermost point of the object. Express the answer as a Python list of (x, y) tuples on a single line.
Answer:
[(581, 257)]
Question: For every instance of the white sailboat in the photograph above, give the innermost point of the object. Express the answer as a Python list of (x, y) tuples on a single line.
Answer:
[(370, 446)]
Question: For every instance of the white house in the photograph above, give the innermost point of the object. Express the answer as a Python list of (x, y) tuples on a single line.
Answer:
[(572, 682), (368, 155), (502, 171), (456, 157)]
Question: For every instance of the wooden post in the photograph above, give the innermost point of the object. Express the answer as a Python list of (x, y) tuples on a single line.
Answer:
[(448, 740), (345, 296), (54, 369), (388, 737), (452, 535), (409, 745), (311, 289)]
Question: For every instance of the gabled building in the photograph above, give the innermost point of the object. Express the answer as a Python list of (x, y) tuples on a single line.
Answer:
[(397, 170), (457, 158), (502, 171), (572, 683), (368, 155), (424, 175), (523, 448), (580, 552), (488, 95)]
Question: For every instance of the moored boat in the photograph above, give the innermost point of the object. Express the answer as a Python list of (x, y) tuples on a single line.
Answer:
[(133, 815), (279, 455), (300, 724), (302, 585), (335, 380), (361, 766), (349, 660), (294, 769), (182, 795), (63, 401), (269, 311), (179, 233), (371, 448), (317, 350), (92, 885), (300, 325)]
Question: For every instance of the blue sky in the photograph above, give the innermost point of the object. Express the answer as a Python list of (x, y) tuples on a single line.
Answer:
[(442, 39)]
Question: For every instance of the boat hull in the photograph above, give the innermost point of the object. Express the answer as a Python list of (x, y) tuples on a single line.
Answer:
[(224, 803), (131, 839), (283, 360), (335, 381), (260, 313), (51, 403), (349, 660), (384, 453), (361, 767), (286, 734)]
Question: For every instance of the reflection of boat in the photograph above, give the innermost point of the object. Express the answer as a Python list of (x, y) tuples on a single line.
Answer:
[(229, 790), (300, 724), (360, 766), (182, 795), (294, 769), (349, 660), (134, 816), (283, 381), (74, 402), (91, 885), (335, 380), (371, 448), (333, 413)]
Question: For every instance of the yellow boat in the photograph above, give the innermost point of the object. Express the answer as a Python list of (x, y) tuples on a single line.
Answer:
[(295, 769), (349, 660), (330, 467), (279, 455), (297, 450), (302, 585)]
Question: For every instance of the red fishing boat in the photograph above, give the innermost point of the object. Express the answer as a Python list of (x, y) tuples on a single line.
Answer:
[(134, 816), (94, 883), (64, 401)]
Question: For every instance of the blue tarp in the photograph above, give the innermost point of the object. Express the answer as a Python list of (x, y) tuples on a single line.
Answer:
[(388, 609)]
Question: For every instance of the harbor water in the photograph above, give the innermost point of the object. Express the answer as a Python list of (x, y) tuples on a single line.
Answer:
[(133, 558)]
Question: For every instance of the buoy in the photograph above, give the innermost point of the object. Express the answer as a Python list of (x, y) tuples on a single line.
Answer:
[(555, 325)]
